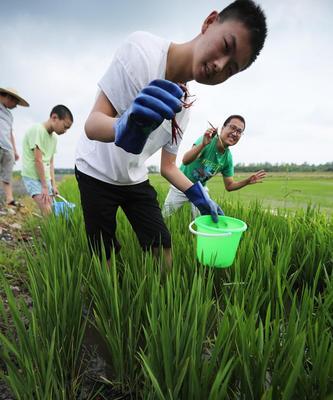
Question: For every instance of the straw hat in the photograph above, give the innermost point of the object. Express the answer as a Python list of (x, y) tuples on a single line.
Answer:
[(15, 94)]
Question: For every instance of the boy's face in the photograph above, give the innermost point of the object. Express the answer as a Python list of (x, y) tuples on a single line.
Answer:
[(60, 126), (222, 50), (232, 132)]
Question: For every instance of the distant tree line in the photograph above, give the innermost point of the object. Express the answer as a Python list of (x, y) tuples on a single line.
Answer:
[(268, 167), (64, 171), (292, 167)]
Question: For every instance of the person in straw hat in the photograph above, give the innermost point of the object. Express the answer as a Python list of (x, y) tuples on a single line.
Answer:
[(9, 99)]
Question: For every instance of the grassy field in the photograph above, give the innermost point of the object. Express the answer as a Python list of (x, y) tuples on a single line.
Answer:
[(278, 190), (261, 329)]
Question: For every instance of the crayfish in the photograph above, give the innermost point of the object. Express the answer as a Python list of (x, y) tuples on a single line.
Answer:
[(175, 128)]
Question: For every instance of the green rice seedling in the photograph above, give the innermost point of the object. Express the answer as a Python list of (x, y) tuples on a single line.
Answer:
[(55, 271), (261, 329), (312, 245), (270, 277), (290, 376), (119, 296), (318, 377), (253, 350), (256, 343), (56, 290), (176, 336), (30, 357)]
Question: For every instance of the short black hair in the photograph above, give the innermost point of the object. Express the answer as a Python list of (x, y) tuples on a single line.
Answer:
[(253, 18), (62, 112), (234, 116)]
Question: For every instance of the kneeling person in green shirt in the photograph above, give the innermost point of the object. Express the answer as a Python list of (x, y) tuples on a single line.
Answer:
[(39, 147), (210, 155)]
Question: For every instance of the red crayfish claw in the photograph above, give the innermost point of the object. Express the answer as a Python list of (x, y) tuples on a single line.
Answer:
[(175, 128)]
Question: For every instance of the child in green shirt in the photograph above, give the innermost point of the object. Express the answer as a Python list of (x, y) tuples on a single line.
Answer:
[(39, 147), (210, 155)]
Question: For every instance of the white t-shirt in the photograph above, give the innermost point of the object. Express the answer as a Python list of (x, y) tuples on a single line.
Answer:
[(141, 59)]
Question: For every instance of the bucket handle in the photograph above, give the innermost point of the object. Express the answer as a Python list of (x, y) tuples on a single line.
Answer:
[(207, 234), (62, 198)]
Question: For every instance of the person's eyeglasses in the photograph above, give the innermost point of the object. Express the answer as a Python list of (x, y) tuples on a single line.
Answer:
[(235, 129)]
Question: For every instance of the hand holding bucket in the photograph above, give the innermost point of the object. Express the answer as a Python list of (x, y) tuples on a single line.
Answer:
[(217, 243)]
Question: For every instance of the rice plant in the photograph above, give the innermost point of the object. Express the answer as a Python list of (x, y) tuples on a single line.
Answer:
[(261, 329)]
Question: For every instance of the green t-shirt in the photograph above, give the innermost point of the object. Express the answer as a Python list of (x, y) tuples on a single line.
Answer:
[(38, 136), (209, 163)]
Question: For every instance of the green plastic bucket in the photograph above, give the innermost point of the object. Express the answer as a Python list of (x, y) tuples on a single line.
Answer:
[(217, 243)]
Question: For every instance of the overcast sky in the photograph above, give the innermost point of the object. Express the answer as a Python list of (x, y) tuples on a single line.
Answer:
[(55, 52)]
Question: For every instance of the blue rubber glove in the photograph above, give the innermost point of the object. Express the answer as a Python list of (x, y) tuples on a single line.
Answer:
[(199, 197), (158, 101)]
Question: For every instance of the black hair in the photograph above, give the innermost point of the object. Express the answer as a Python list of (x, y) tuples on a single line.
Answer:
[(62, 112), (234, 116), (253, 18)]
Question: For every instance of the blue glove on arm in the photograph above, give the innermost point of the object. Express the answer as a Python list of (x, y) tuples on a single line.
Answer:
[(158, 101), (199, 197)]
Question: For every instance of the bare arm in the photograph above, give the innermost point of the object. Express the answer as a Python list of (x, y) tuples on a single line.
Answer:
[(170, 171), (231, 185), (101, 120), (12, 139), (40, 166), (192, 154), (53, 181), (41, 173), (195, 151)]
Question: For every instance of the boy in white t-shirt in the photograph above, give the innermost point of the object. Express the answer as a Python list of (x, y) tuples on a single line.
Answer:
[(134, 114)]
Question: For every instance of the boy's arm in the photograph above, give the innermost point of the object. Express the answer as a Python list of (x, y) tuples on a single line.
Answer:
[(16, 155), (170, 172), (192, 154), (231, 185), (40, 171), (194, 192), (100, 123), (195, 151), (53, 181)]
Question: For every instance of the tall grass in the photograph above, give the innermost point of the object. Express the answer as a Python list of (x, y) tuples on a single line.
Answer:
[(261, 329)]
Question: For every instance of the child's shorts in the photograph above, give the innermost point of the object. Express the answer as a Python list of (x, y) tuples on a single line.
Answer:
[(6, 165), (34, 186)]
